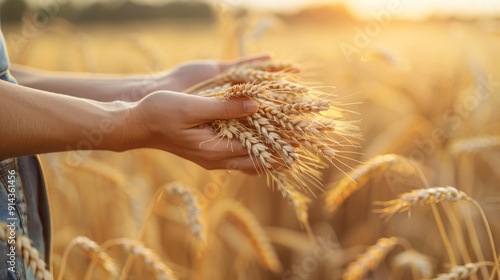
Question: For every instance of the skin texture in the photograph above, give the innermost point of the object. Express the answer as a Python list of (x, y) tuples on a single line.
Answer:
[(51, 112)]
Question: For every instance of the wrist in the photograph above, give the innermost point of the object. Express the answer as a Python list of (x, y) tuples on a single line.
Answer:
[(124, 126), (140, 87)]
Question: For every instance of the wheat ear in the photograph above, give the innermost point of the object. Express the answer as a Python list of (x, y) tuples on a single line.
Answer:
[(369, 260), (93, 250), (237, 75), (419, 263), (474, 144), (463, 271), (248, 225), (193, 209), (273, 66), (433, 196), (420, 197), (150, 258), (360, 176), (30, 254)]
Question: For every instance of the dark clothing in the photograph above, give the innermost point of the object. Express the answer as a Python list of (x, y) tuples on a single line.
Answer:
[(22, 186)]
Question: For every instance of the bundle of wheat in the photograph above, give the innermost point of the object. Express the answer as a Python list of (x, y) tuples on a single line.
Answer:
[(296, 128)]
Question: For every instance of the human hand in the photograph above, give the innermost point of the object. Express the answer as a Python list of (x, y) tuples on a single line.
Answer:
[(174, 122), (188, 74)]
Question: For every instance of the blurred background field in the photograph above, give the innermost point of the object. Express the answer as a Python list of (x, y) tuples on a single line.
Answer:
[(411, 78)]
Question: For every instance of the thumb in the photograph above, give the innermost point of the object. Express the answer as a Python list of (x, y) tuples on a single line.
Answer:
[(212, 108)]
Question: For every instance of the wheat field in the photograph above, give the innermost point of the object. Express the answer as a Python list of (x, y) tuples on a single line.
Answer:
[(418, 199)]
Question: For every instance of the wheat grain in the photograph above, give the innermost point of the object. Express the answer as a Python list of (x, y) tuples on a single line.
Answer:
[(249, 90), (304, 107), (302, 125), (272, 136), (30, 254), (285, 87), (256, 148), (369, 260)]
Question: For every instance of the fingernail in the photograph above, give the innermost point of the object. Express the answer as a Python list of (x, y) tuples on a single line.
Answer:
[(250, 106)]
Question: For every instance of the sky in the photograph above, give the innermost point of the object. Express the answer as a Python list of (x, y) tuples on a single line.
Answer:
[(364, 8)]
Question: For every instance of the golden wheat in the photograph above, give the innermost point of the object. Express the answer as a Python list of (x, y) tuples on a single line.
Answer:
[(193, 210), (420, 197), (150, 258), (249, 226), (360, 176), (369, 260), (416, 261), (273, 66), (463, 271), (30, 254), (94, 251), (434, 103), (474, 144)]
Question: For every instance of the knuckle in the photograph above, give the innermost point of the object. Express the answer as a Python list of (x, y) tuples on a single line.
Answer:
[(224, 110)]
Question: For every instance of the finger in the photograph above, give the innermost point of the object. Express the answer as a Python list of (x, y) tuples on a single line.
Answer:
[(206, 109), (259, 57)]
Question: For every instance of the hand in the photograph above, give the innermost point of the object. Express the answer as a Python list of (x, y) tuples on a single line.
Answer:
[(174, 122), (192, 73)]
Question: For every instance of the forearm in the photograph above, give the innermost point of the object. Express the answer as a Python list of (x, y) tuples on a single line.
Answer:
[(34, 121), (90, 86)]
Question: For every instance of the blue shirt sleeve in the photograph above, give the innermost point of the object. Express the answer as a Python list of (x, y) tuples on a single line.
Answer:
[(4, 61)]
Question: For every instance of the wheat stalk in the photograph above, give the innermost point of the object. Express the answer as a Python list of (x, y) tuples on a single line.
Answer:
[(362, 174), (369, 260), (30, 254)]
